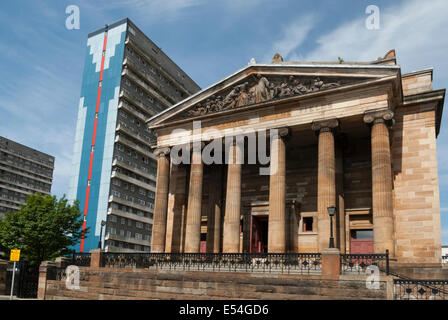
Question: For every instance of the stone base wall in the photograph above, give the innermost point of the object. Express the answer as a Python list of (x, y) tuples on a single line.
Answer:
[(107, 283), (420, 270)]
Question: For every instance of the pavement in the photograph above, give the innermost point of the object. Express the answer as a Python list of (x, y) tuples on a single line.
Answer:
[(7, 297)]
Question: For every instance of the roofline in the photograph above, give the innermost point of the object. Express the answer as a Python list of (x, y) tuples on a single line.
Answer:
[(412, 73), (427, 97), (179, 69), (194, 95), (30, 148), (333, 65), (300, 65), (109, 26)]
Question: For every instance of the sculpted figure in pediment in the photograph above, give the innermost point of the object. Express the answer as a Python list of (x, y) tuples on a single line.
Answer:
[(320, 85), (243, 98), (197, 111), (274, 90), (317, 84), (231, 99), (260, 92), (285, 90), (219, 103), (209, 105), (330, 85), (299, 88)]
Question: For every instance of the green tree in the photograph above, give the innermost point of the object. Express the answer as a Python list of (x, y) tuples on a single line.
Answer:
[(47, 226)]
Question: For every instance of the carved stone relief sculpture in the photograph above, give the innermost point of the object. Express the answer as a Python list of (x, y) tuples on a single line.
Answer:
[(258, 90)]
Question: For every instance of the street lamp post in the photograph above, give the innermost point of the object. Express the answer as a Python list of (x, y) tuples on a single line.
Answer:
[(14, 271), (331, 212), (103, 223)]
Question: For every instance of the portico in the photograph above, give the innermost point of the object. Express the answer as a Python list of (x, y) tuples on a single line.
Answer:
[(288, 141)]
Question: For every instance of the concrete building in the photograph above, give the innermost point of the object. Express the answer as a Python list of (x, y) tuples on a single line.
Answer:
[(23, 171), (127, 79), (358, 136)]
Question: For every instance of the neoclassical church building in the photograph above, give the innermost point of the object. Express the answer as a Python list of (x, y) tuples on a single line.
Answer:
[(359, 137)]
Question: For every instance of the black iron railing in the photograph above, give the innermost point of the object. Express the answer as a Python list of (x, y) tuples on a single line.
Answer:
[(56, 273), (358, 263), (81, 259), (420, 289), (234, 262)]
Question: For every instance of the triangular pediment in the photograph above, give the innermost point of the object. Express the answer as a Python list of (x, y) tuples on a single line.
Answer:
[(256, 85)]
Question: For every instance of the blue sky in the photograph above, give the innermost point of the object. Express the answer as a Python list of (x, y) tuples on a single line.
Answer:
[(41, 61)]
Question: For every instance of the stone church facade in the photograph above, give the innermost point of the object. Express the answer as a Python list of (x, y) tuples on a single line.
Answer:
[(360, 137)]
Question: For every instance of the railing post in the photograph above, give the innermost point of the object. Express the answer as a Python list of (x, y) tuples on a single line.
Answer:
[(44, 269), (331, 263), (387, 261), (95, 258)]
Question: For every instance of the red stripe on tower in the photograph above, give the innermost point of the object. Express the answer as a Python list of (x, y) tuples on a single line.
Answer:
[(98, 98)]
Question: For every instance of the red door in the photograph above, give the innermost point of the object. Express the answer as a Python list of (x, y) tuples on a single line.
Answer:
[(361, 242), (255, 241), (203, 247), (258, 238)]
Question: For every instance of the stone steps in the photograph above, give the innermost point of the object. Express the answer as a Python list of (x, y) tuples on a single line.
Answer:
[(116, 284)]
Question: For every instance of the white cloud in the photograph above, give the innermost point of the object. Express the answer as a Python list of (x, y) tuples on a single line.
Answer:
[(292, 37), (146, 11), (171, 6), (416, 31)]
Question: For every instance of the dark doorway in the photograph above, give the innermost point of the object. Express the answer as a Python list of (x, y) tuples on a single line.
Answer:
[(259, 234), (203, 245)]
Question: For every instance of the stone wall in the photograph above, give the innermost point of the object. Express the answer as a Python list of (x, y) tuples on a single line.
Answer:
[(417, 82), (106, 283), (420, 270), (416, 187)]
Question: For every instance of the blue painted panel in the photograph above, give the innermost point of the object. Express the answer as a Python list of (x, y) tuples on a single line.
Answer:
[(111, 80)]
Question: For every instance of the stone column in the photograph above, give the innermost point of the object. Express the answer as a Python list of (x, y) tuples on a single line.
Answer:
[(340, 202), (176, 203), (231, 241), (193, 224), (382, 201), (326, 181), (277, 194), (170, 209), (214, 211), (178, 208), (161, 200)]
